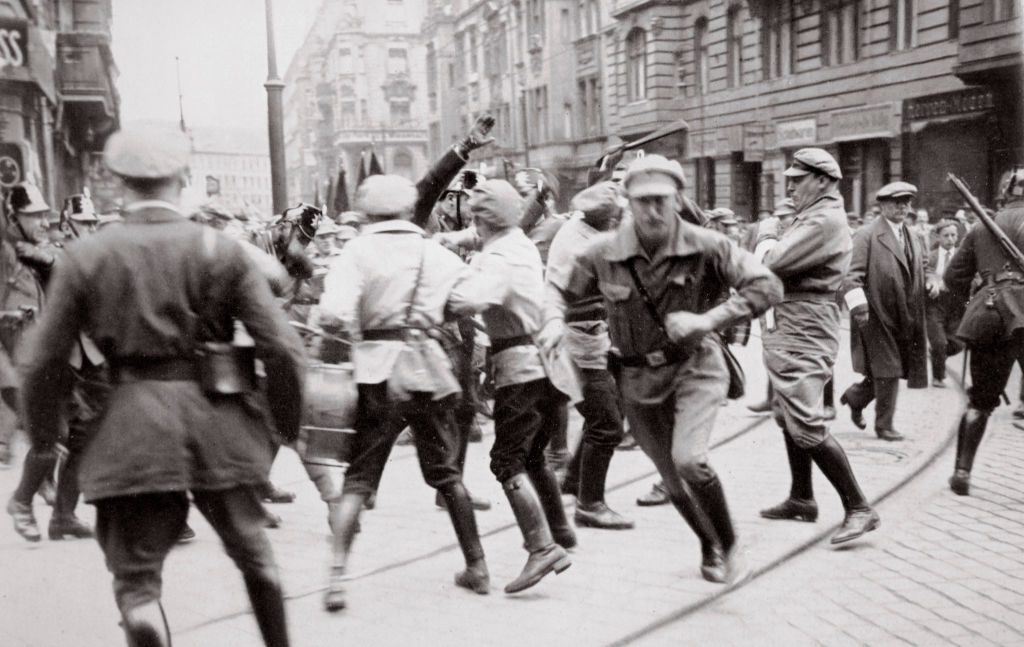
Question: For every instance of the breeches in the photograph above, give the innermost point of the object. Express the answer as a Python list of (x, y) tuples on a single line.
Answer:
[(525, 415), (798, 380)]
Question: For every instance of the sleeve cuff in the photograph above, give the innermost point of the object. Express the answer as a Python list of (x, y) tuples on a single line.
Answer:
[(855, 298)]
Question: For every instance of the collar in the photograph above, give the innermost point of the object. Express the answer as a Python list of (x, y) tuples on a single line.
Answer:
[(151, 211), (393, 227), (625, 244), (508, 233), (896, 229)]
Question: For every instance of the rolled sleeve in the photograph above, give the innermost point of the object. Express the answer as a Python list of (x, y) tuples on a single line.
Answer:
[(756, 287), (803, 246)]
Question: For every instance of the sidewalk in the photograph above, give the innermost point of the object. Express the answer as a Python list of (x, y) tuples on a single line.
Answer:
[(622, 584)]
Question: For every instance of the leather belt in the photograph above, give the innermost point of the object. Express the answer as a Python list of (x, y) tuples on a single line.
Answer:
[(395, 334), (656, 358), (498, 345), (828, 297), (169, 369)]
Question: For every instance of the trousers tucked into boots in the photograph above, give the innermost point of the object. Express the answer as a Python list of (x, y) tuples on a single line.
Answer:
[(968, 439), (146, 626), (549, 494), (545, 555)]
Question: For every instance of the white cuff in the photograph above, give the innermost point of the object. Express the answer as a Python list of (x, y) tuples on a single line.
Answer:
[(855, 298)]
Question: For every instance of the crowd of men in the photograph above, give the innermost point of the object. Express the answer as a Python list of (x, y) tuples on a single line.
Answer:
[(439, 295)]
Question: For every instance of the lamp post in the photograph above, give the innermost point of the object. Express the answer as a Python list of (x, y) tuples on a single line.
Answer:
[(275, 120)]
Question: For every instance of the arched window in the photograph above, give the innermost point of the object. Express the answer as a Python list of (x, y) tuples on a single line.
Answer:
[(402, 163), (700, 53), (734, 45), (636, 64)]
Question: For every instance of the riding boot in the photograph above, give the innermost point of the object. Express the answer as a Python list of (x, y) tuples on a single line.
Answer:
[(146, 625), (972, 429), (460, 508), (591, 509), (345, 516), (464, 423), (557, 452), (550, 496), (64, 522), (800, 505), (711, 498), (860, 517), (545, 555), (712, 565), (38, 465), (267, 600), (571, 481)]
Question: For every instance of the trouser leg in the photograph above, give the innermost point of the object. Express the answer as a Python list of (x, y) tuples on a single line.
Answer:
[(551, 406), (39, 464), (886, 391), (969, 435)]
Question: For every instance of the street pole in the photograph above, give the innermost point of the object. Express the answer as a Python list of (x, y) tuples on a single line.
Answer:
[(275, 120), (526, 132)]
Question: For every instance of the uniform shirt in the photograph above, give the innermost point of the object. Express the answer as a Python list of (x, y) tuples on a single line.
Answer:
[(369, 286), (811, 258), (689, 272)]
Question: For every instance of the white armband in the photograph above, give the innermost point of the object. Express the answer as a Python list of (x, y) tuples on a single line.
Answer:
[(855, 298)]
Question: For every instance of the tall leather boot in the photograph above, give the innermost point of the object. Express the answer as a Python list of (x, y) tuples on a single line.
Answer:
[(712, 565), (968, 438), (464, 424), (545, 555), (557, 451), (38, 465), (591, 509), (711, 498), (800, 505), (571, 480), (146, 625), (64, 522), (267, 602), (860, 517), (345, 517), (460, 508), (550, 495)]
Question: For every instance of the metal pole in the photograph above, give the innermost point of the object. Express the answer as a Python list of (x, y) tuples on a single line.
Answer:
[(181, 105), (526, 132), (275, 120)]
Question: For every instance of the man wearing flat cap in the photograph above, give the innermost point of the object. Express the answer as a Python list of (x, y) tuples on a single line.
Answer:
[(801, 341), (885, 292), (596, 210), (388, 289), (155, 293), (661, 279)]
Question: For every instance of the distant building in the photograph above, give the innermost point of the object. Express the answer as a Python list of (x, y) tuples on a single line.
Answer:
[(233, 166), (356, 84)]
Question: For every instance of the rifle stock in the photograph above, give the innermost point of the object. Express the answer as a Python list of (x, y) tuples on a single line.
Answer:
[(1009, 248)]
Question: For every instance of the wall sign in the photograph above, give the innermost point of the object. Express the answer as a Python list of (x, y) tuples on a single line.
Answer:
[(13, 44), (799, 132), (946, 104)]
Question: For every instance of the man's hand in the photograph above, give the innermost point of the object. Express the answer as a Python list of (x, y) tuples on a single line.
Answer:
[(32, 256), (477, 137), (860, 315), (685, 326), (551, 335)]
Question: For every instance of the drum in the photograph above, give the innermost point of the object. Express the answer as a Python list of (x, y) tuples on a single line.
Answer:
[(329, 416)]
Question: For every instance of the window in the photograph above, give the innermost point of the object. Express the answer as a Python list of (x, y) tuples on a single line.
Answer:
[(734, 46), (398, 61), (636, 64), (954, 18), (588, 99), (540, 114), (345, 65), (471, 38), (432, 76), (996, 10), (841, 38), (700, 54), (902, 24), (535, 20), (400, 112), (777, 39)]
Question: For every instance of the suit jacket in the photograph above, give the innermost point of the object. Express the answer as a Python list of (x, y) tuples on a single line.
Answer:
[(951, 305), (431, 185), (894, 342)]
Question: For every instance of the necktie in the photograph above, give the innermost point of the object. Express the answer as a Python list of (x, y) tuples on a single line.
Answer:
[(906, 245)]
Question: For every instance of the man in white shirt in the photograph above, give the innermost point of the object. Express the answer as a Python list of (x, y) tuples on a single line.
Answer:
[(942, 312)]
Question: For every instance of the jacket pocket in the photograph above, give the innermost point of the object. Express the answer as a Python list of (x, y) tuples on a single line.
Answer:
[(615, 292)]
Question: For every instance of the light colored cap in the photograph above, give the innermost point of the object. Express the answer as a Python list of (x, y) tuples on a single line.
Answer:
[(813, 160), (723, 215), (784, 208), (327, 228), (653, 175), (26, 198), (353, 218), (347, 232), (386, 195), (147, 152), (496, 203), (895, 190), (601, 198)]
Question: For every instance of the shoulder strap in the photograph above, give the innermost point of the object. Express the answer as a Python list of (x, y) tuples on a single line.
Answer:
[(416, 286), (646, 296)]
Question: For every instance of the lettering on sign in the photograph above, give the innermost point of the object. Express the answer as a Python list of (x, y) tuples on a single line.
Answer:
[(13, 44), (800, 132), (949, 103), (867, 122)]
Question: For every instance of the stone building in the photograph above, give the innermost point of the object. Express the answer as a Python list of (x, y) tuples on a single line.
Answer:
[(233, 167)]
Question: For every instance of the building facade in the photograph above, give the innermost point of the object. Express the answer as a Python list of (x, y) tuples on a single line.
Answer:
[(355, 85), (58, 98), (233, 168)]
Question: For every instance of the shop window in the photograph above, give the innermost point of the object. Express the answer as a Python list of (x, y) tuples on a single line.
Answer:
[(734, 46), (777, 39), (700, 54), (636, 64), (902, 24), (841, 32), (535, 19), (996, 10)]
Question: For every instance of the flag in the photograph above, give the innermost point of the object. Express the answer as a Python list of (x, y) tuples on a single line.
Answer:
[(339, 202), (375, 167)]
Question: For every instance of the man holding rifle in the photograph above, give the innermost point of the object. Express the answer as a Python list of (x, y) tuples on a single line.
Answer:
[(993, 324)]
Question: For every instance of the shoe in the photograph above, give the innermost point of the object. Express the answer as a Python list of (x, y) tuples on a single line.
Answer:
[(794, 509), (939, 383), (273, 494), (760, 407), (888, 434), (187, 535), (61, 527), (545, 556), (657, 496), (24, 520), (475, 578), (856, 415), (828, 413), (960, 482), (599, 515), (334, 597), (856, 523), (736, 569), (479, 503), (712, 564)]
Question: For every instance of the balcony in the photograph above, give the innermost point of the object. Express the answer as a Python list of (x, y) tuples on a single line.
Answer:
[(988, 51), (86, 75)]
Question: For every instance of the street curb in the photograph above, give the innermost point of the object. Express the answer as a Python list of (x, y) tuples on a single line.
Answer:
[(685, 611)]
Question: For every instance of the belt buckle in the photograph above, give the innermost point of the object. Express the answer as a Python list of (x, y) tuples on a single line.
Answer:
[(656, 358), (414, 334)]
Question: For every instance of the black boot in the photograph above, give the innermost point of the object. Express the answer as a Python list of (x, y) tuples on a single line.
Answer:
[(146, 626), (711, 498), (545, 555), (860, 517), (64, 523), (38, 466), (550, 496), (344, 526), (800, 505), (460, 508), (968, 438), (591, 509), (571, 482), (267, 602), (712, 565)]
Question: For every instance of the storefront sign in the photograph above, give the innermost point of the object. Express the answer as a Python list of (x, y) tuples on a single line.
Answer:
[(13, 44), (946, 104), (866, 122), (799, 132), (753, 144)]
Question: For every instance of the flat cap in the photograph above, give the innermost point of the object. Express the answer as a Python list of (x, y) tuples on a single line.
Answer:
[(386, 195), (147, 152), (601, 198), (496, 203), (723, 216), (653, 175), (353, 218), (813, 160), (327, 228), (347, 232), (784, 208), (895, 190)]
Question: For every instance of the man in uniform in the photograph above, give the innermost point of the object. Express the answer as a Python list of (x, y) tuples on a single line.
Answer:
[(153, 293), (993, 324), (661, 278), (884, 290), (801, 340), (388, 288), (943, 312)]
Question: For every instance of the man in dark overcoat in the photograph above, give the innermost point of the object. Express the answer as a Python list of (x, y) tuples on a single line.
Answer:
[(885, 292)]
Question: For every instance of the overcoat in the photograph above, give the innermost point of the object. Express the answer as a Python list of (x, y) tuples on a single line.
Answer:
[(894, 342)]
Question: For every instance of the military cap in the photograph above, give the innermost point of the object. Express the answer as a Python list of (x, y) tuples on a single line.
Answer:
[(352, 218), (496, 203), (813, 160), (347, 232), (386, 195), (80, 208), (26, 198), (600, 198), (723, 216), (784, 208), (895, 190), (653, 175), (327, 228), (147, 152)]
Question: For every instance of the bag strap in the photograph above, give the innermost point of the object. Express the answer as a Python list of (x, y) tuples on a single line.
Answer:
[(416, 286), (646, 296)]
